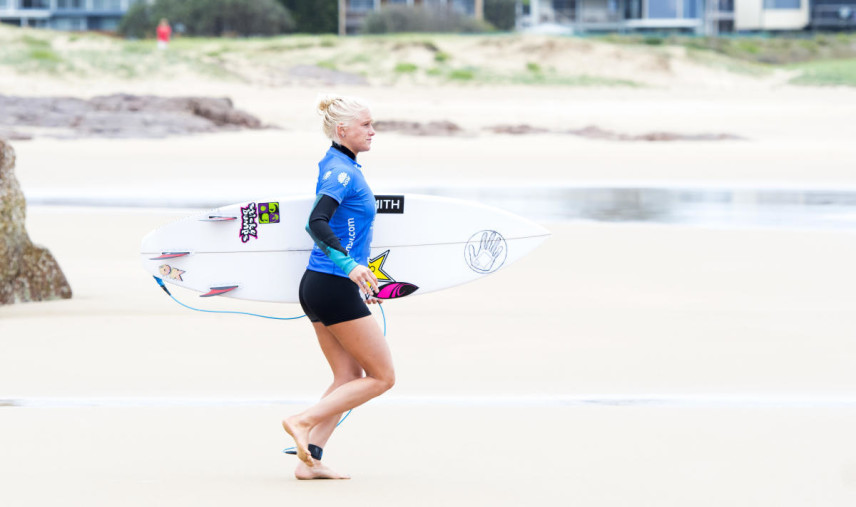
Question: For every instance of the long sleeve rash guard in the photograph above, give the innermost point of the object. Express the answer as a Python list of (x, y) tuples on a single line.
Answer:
[(319, 229), (342, 218)]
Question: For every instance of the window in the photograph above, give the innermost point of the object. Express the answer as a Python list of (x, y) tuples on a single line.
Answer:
[(106, 5), (360, 5), (673, 9), (782, 4), (35, 4), (69, 4), (465, 7), (658, 9)]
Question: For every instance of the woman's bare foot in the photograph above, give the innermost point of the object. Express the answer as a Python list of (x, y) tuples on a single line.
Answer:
[(318, 471), (300, 433)]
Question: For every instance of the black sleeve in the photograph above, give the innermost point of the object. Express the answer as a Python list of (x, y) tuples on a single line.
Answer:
[(319, 224)]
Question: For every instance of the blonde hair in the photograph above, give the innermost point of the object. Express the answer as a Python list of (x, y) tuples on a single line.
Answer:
[(338, 110)]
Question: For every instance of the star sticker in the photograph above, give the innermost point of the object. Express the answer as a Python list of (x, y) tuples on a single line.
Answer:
[(376, 265)]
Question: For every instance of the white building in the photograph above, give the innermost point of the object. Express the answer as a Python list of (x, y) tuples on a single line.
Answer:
[(691, 16), (65, 14)]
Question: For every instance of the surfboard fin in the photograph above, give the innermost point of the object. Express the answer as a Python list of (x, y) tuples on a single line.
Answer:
[(218, 291), (217, 218), (169, 255)]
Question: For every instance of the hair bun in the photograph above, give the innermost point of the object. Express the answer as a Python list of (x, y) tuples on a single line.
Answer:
[(325, 101), (337, 109)]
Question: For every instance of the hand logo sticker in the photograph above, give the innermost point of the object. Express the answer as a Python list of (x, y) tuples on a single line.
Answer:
[(486, 251)]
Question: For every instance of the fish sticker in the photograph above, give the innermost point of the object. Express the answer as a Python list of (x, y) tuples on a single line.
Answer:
[(170, 272)]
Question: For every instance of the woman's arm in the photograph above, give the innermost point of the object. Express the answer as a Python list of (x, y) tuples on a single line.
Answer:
[(318, 227), (319, 230)]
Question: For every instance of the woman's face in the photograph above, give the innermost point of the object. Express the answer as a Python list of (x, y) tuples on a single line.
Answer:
[(357, 135)]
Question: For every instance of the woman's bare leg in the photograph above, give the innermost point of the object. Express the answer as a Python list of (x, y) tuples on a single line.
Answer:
[(345, 368), (363, 341)]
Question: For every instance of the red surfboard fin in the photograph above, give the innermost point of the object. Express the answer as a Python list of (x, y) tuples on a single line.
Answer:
[(218, 291), (169, 255)]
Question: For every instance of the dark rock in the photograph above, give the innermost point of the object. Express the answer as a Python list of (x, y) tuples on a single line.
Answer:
[(594, 132), (517, 129), (27, 272), (122, 115), (412, 128)]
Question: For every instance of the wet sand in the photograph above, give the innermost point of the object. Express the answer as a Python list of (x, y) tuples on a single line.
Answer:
[(509, 389)]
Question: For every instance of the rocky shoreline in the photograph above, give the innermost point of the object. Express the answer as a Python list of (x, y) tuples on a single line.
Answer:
[(119, 116)]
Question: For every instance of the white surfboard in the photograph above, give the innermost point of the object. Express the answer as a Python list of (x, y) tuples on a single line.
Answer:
[(259, 250)]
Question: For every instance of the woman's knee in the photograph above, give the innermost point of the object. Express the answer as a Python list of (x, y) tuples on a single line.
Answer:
[(386, 380)]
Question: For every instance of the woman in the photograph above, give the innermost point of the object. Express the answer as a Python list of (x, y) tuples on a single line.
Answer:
[(340, 223)]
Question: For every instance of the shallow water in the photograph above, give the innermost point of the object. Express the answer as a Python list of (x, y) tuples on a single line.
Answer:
[(830, 209), (721, 207)]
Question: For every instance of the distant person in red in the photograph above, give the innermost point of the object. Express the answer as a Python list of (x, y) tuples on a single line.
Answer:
[(164, 32)]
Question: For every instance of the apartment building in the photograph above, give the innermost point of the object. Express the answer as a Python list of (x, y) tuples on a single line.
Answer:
[(708, 17), (65, 14)]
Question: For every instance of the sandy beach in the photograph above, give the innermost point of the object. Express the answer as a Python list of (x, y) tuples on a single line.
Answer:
[(618, 364)]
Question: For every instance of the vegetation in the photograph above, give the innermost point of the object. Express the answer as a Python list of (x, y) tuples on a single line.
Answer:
[(401, 18), (314, 16), (826, 73), (756, 49), (422, 59), (500, 13), (208, 18)]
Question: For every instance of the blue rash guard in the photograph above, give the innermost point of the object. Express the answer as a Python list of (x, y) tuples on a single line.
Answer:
[(340, 177)]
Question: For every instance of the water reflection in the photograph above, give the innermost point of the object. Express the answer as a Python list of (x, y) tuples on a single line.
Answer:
[(747, 207), (709, 207)]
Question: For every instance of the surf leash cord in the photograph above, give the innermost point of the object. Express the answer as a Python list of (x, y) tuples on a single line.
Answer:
[(290, 450), (168, 293)]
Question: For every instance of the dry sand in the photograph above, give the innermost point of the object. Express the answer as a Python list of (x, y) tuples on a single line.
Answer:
[(507, 388)]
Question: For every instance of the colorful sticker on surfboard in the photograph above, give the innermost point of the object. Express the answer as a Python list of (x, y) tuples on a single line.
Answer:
[(249, 224), (486, 251), (268, 212), (170, 272), (391, 289)]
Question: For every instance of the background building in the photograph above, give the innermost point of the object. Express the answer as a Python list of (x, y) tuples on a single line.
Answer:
[(65, 14), (708, 17)]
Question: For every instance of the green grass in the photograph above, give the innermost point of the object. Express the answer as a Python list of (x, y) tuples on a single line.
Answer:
[(442, 57), (462, 74), (822, 59), (826, 73), (405, 68), (765, 49)]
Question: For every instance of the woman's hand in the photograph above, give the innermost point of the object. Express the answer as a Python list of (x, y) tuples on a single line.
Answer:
[(365, 280)]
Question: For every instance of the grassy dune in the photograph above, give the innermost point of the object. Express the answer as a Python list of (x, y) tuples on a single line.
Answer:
[(432, 59)]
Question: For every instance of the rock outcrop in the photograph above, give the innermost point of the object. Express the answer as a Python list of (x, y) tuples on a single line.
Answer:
[(119, 116), (27, 272)]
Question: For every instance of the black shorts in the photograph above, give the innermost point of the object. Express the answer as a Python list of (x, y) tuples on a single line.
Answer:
[(331, 299)]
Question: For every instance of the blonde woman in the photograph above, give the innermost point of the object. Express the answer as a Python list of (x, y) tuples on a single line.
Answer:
[(338, 285)]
